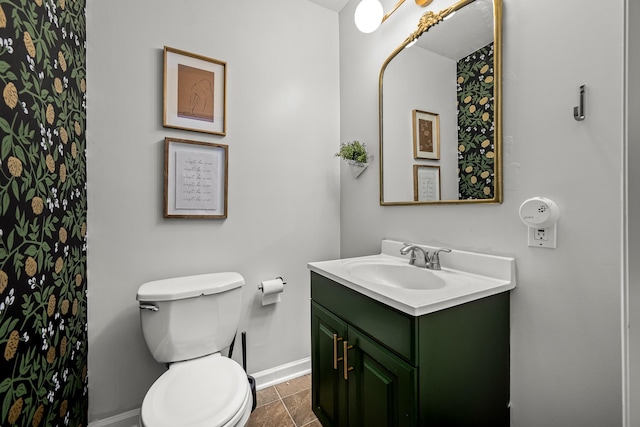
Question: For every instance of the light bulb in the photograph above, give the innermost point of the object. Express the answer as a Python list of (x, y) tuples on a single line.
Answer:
[(368, 16)]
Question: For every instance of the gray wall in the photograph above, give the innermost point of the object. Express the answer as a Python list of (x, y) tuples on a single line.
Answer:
[(633, 225), (286, 103), (283, 201), (566, 334)]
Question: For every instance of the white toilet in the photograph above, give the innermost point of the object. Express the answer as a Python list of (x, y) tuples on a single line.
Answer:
[(186, 322)]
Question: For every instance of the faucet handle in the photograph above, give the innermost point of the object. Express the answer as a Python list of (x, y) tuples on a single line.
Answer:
[(434, 259), (437, 251)]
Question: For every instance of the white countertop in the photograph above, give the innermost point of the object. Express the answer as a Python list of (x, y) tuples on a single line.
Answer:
[(468, 275)]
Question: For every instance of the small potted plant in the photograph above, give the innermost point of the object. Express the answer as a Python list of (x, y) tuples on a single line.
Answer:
[(355, 153)]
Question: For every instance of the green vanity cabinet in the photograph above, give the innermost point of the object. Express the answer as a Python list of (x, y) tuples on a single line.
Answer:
[(377, 389), (443, 369), (330, 393)]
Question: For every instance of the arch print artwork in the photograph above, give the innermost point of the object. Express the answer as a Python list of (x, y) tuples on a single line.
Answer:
[(194, 92)]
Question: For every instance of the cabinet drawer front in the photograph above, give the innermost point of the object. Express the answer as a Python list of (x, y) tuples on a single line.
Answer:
[(391, 328)]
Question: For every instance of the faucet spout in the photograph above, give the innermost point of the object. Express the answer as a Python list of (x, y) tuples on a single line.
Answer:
[(413, 258), (406, 248)]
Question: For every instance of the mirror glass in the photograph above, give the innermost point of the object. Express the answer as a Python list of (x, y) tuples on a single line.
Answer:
[(440, 109)]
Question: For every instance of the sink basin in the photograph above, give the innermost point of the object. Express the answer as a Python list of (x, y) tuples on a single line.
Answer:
[(388, 278), (397, 275)]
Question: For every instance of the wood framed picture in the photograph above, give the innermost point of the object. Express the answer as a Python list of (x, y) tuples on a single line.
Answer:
[(426, 135), (194, 92), (426, 183), (195, 179)]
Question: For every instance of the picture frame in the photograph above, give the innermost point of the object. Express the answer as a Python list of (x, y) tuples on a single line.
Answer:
[(194, 93), (195, 179), (426, 135), (426, 183)]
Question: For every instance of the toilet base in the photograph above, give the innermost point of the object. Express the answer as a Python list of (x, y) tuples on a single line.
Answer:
[(212, 391)]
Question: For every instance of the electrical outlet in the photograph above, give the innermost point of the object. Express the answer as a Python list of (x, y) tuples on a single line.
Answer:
[(540, 234), (542, 237)]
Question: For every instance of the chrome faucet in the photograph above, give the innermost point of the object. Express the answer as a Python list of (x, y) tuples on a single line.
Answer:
[(413, 259), (431, 262)]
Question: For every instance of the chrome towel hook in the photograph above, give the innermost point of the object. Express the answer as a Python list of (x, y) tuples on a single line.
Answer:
[(578, 112)]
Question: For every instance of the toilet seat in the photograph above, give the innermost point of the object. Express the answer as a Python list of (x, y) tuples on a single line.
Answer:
[(208, 391)]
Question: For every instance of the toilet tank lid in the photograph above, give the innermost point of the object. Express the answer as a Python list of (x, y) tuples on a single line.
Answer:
[(189, 286)]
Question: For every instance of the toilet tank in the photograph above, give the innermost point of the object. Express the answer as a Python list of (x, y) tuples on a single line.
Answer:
[(184, 318)]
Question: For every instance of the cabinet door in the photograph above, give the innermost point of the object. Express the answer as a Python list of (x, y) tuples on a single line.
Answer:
[(328, 388), (382, 387)]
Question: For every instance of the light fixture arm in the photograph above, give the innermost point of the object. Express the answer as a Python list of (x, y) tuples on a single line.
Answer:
[(384, 18), (422, 3)]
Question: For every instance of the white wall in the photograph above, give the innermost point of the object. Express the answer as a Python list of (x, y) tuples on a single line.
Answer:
[(566, 340), (283, 200), (422, 68)]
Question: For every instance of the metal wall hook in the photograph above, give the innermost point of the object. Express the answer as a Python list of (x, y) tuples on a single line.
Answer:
[(579, 112)]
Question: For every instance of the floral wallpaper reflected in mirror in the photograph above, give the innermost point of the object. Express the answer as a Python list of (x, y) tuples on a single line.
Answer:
[(476, 155)]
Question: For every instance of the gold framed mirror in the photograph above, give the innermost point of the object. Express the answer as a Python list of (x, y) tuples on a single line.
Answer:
[(440, 108)]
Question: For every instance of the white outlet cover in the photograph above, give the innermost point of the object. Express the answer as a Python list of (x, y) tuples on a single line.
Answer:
[(550, 241)]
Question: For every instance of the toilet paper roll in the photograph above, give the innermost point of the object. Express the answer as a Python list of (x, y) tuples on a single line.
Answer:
[(271, 291)]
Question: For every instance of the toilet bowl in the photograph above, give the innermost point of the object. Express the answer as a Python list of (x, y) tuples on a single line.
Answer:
[(186, 323), (206, 392)]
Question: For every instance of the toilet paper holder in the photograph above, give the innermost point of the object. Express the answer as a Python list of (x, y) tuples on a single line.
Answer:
[(279, 277)]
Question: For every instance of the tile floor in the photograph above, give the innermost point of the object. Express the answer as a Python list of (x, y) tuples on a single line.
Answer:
[(285, 405)]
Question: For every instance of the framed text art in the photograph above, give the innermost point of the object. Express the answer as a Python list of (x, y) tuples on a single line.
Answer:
[(194, 92), (426, 183), (195, 179), (426, 135)]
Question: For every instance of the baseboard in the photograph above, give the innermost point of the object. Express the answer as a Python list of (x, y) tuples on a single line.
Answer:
[(264, 379), (282, 373), (125, 419)]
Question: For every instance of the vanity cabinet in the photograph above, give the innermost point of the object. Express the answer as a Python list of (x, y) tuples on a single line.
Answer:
[(373, 365), (360, 382)]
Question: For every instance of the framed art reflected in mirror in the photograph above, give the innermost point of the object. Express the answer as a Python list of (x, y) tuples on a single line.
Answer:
[(426, 135), (426, 183)]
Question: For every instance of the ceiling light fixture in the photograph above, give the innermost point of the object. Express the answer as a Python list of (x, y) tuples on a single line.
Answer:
[(369, 14)]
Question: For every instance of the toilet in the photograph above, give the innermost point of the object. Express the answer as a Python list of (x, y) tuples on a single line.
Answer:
[(186, 323)]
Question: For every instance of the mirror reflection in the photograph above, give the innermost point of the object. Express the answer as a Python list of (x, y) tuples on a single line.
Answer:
[(440, 138)]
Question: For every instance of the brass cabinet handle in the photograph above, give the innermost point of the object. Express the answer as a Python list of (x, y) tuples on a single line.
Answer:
[(336, 359), (346, 347)]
